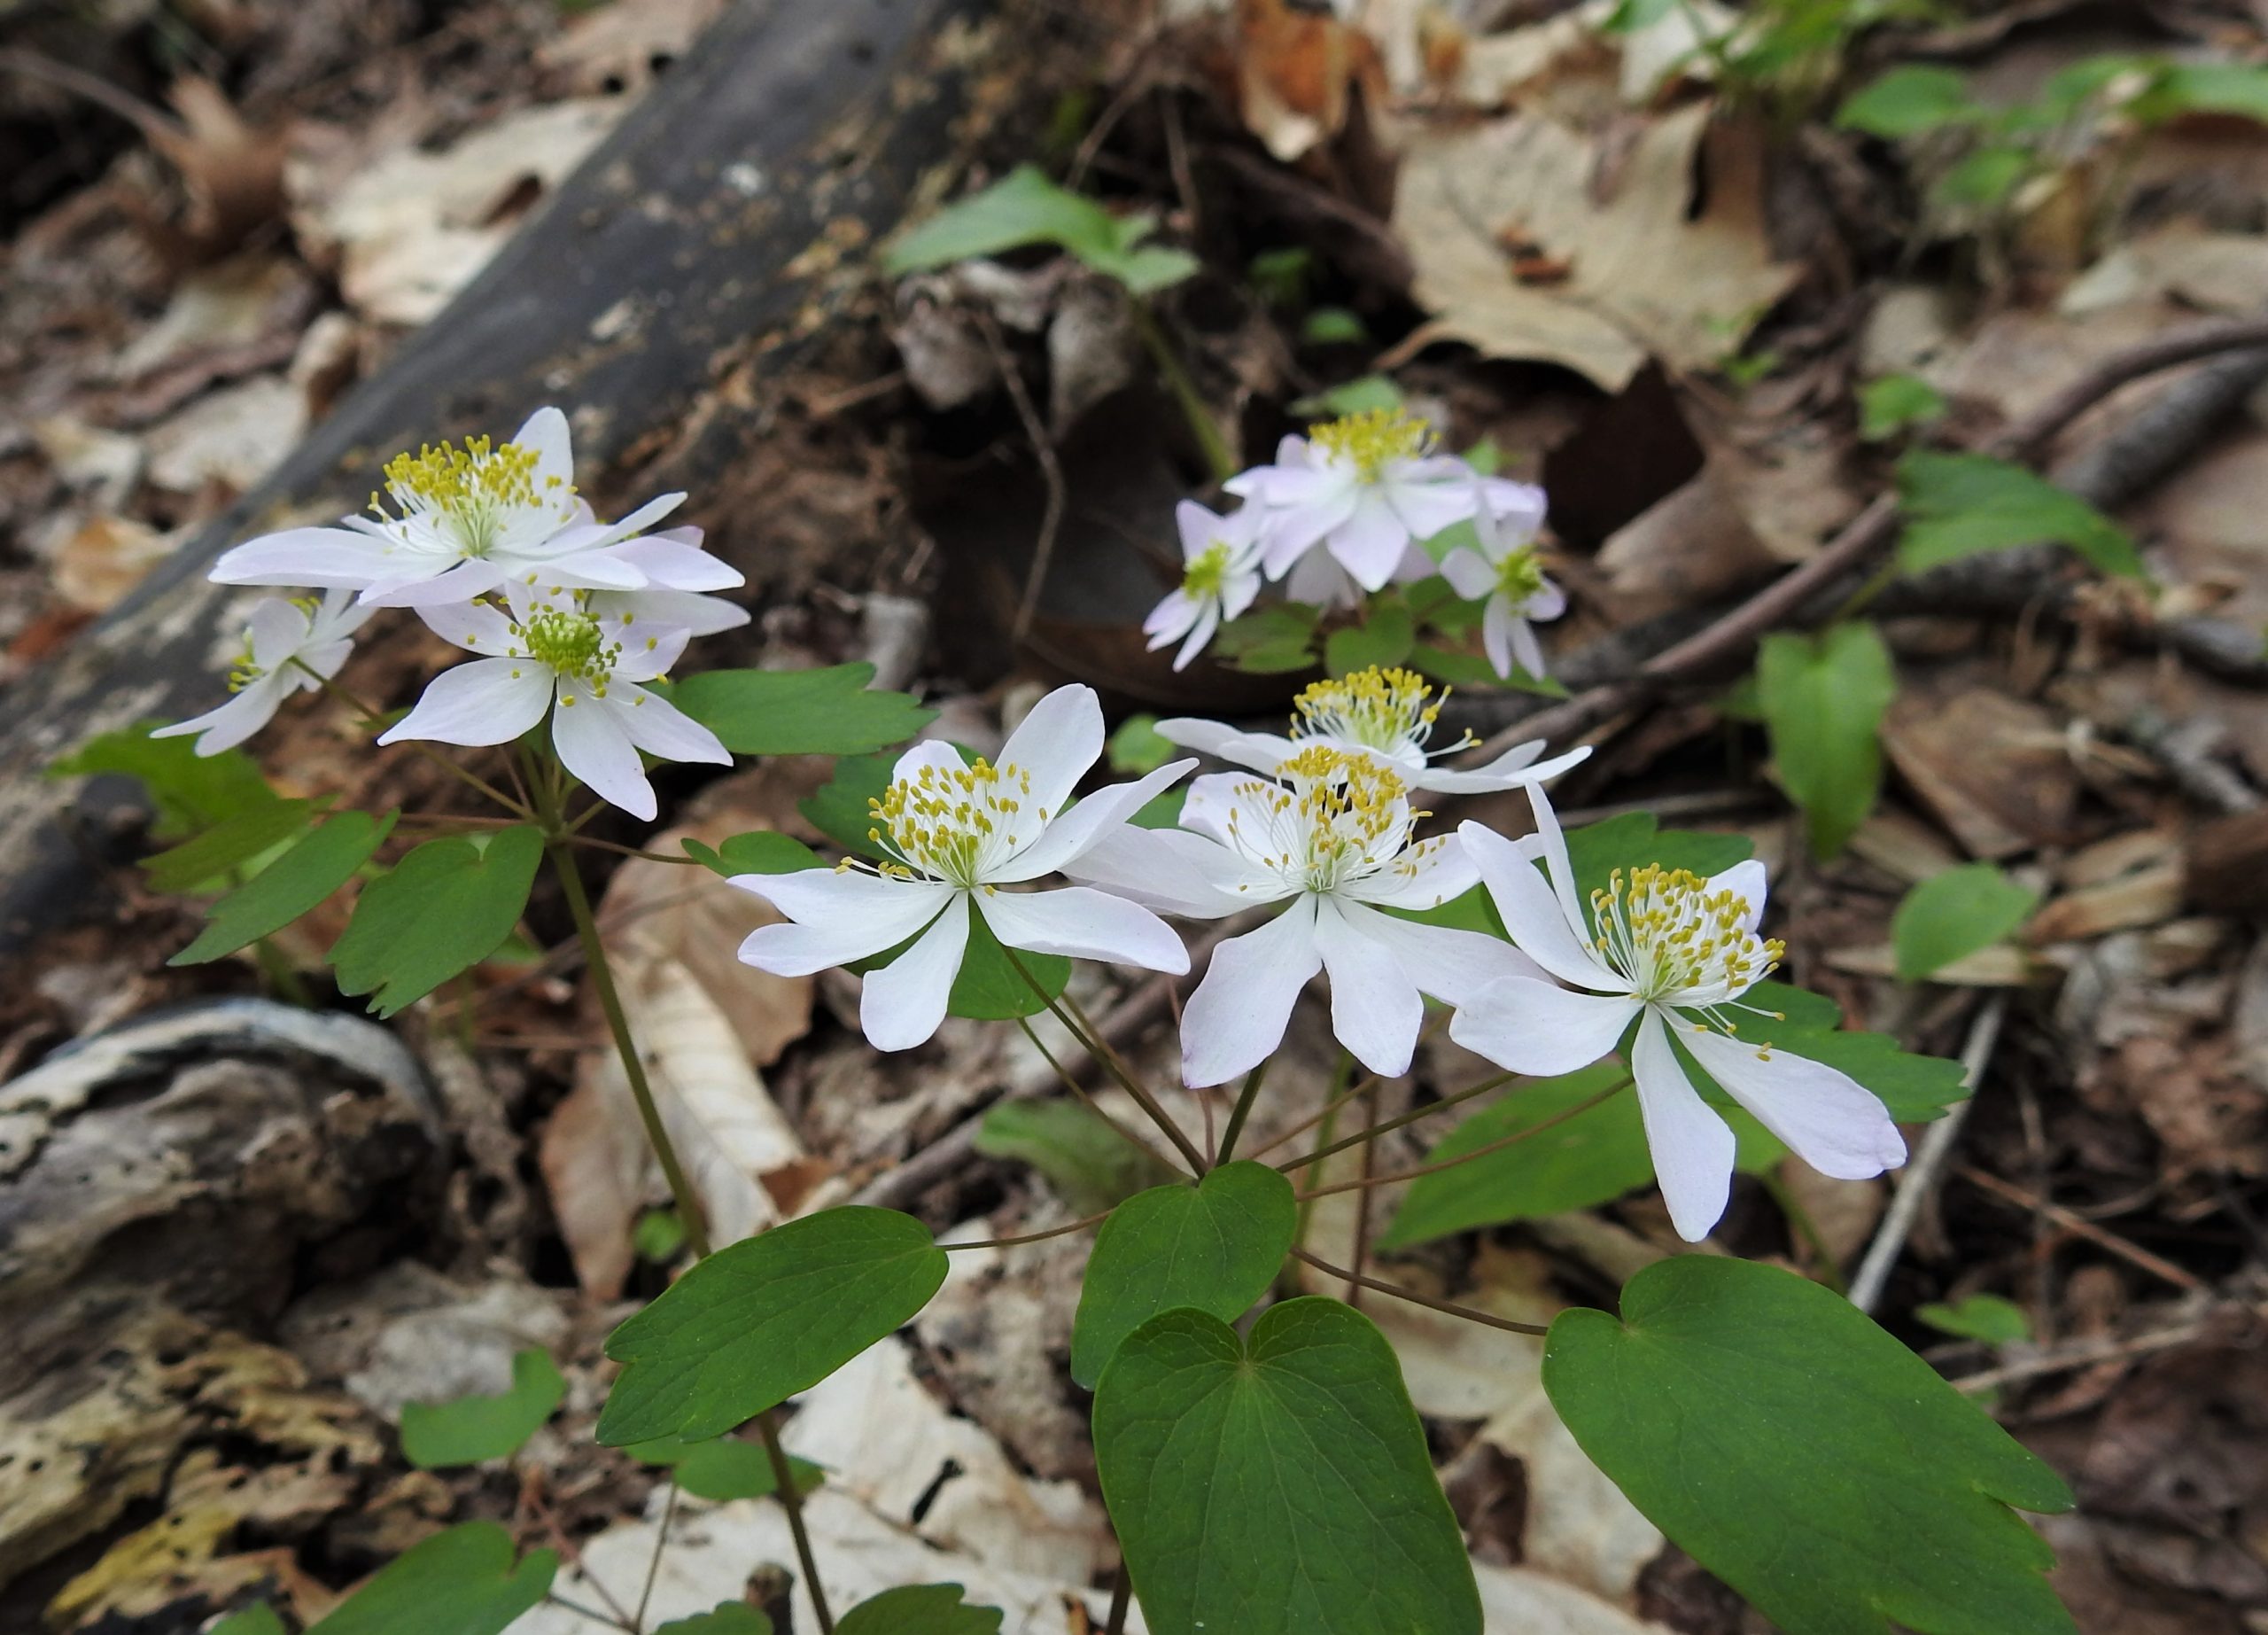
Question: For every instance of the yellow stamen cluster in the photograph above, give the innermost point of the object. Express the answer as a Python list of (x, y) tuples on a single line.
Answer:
[(1667, 932), (1379, 709), (472, 488), (946, 823), (1207, 572), (244, 670), (1374, 439), (1333, 815)]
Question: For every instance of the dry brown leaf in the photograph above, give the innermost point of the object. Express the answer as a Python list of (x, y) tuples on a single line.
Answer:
[(2147, 897), (613, 49), (1517, 1600), (1647, 278), (1298, 75), (1992, 767), (233, 175), (230, 437), (107, 557)]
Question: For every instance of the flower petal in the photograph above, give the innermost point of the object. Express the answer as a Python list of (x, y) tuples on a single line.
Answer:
[(1172, 619), (904, 1001), (662, 729), (1824, 1116), (1497, 623), (839, 915), (1534, 919), (303, 556), (652, 652), (675, 563), (1527, 649), (595, 746), (1237, 1016), (930, 752), (451, 587), (1166, 871), (1692, 1147), (1209, 620), (1055, 745), (1468, 573), (1084, 924), (488, 701), (1427, 508), (231, 723), (1515, 768), (546, 433), (477, 626), (1262, 751), (1375, 1007), (1453, 965), (1528, 1026), (1747, 881), (1431, 872), (1559, 867), (1368, 544), (1064, 839)]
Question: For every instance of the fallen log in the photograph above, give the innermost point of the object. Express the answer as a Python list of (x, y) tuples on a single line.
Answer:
[(714, 233)]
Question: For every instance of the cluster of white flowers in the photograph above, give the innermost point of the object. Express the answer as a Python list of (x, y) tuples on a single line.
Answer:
[(1346, 510), (1321, 830), (499, 554)]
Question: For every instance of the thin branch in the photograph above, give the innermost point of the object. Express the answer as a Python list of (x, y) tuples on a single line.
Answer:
[(1398, 1121), (1087, 1099), (2078, 1226), (1050, 470), (1029, 1237), (1482, 1151), (1470, 1313)]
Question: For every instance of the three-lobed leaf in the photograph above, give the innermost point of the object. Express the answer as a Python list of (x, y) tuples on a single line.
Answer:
[(441, 910), (1952, 914), (1804, 1456), (1823, 698), (190, 792), (459, 1581), (217, 853), (725, 1468), (834, 711), (920, 1609), (1957, 505), (760, 851), (472, 1430), (1214, 1246), (292, 885), (1385, 637), (766, 1318), (1280, 1486)]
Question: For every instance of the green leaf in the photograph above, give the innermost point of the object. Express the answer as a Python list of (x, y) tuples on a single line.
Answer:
[(729, 1618), (190, 792), (830, 711), (1384, 637), (443, 909), (291, 886), (1214, 1247), (258, 1619), (472, 1430), (1823, 698), (990, 988), (227, 846), (1805, 1457), (1914, 1088), (1270, 641), (1024, 207), (658, 1236), (2240, 90), (760, 851), (1092, 1167), (1636, 838), (459, 1581), (1333, 326), (1584, 1160), (1352, 397), (1279, 1488), (725, 1467), (1952, 914), (767, 1316), (843, 809), (1279, 276), (1978, 1316), (1984, 180), (1137, 747), (1890, 404), (920, 1609), (1161, 811), (1909, 101), (1959, 505)]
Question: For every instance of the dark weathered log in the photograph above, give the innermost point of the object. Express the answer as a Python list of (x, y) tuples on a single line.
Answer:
[(716, 228)]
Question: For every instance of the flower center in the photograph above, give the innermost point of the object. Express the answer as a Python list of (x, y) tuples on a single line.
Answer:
[(1520, 575), (1372, 439), (1334, 817), (949, 825), (1677, 941), (571, 644), (1379, 709), (469, 491), (1207, 574)]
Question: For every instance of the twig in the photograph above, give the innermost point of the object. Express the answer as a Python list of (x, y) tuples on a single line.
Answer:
[(1482, 1151), (654, 1566), (1470, 1313), (1922, 1176), (1050, 470), (1029, 1237), (1079, 1090), (159, 127), (2083, 1354), (2078, 1226)]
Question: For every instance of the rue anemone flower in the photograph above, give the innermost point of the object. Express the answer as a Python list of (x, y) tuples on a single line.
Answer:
[(1505, 573), (1329, 837), (559, 660), (1673, 953), (1220, 576), (1389, 713), (291, 646), (463, 521), (954, 834)]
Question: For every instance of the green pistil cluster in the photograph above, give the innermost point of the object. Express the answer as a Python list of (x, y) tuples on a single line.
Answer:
[(1520, 575), (1208, 573), (571, 644)]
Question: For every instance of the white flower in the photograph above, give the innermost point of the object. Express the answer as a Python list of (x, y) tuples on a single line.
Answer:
[(1220, 577), (677, 571), (465, 521), (1331, 838), (1365, 487), (289, 647), (1506, 571), (1675, 954), (561, 655), (955, 834), (1385, 713)]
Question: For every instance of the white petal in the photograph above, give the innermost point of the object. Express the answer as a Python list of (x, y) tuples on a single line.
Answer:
[(1368, 544), (545, 432), (1293, 529), (1262, 752), (1515, 768), (1468, 573), (1747, 881), (1198, 528), (1527, 651), (676, 565), (650, 653), (477, 626), (841, 915), (1166, 871), (1453, 965), (1496, 634), (1527, 1026), (1213, 802), (906, 999), (1209, 620), (662, 729), (303, 556), (1055, 745), (1557, 866), (488, 701), (1692, 1147), (1317, 579), (1064, 839), (233, 722), (588, 570), (1171, 618), (595, 745), (452, 586), (1533, 918), (1084, 924), (1824, 1116), (1438, 870), (1375, 1007), (930, 752), (1237, 1016), (1427, 508)]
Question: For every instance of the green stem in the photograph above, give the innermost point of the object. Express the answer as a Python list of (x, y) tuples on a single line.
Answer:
[(1333, 1099), (1806, 1230), (277, 969), (1396, 1122), (1185, 395), (783, 1477), (1482, 1151), (1122, 1597), (1084, 1032), (1241, 1111), (1091, 1105)]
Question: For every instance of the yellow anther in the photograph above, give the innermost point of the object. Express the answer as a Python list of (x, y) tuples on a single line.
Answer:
[(1372, 439)]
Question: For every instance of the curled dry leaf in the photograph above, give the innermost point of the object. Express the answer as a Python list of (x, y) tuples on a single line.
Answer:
[(232, 174), (1299, 74)]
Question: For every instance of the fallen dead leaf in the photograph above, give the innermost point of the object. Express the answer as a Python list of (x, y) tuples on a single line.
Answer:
[(1990, 766), (613, 49), (1298, 73), (230, 436), (232, 174), (1516, 1601), (105, 558), (2149, 896)]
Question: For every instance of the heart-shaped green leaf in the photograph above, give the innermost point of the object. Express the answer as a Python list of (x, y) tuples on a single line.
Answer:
[(920, 1609), (1214, 1246), (443, 909), (1805, 1456), (728, 1618), (460, 1582), (1278, 1489), (766, 1318), (317, 865), (439, 1435)]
